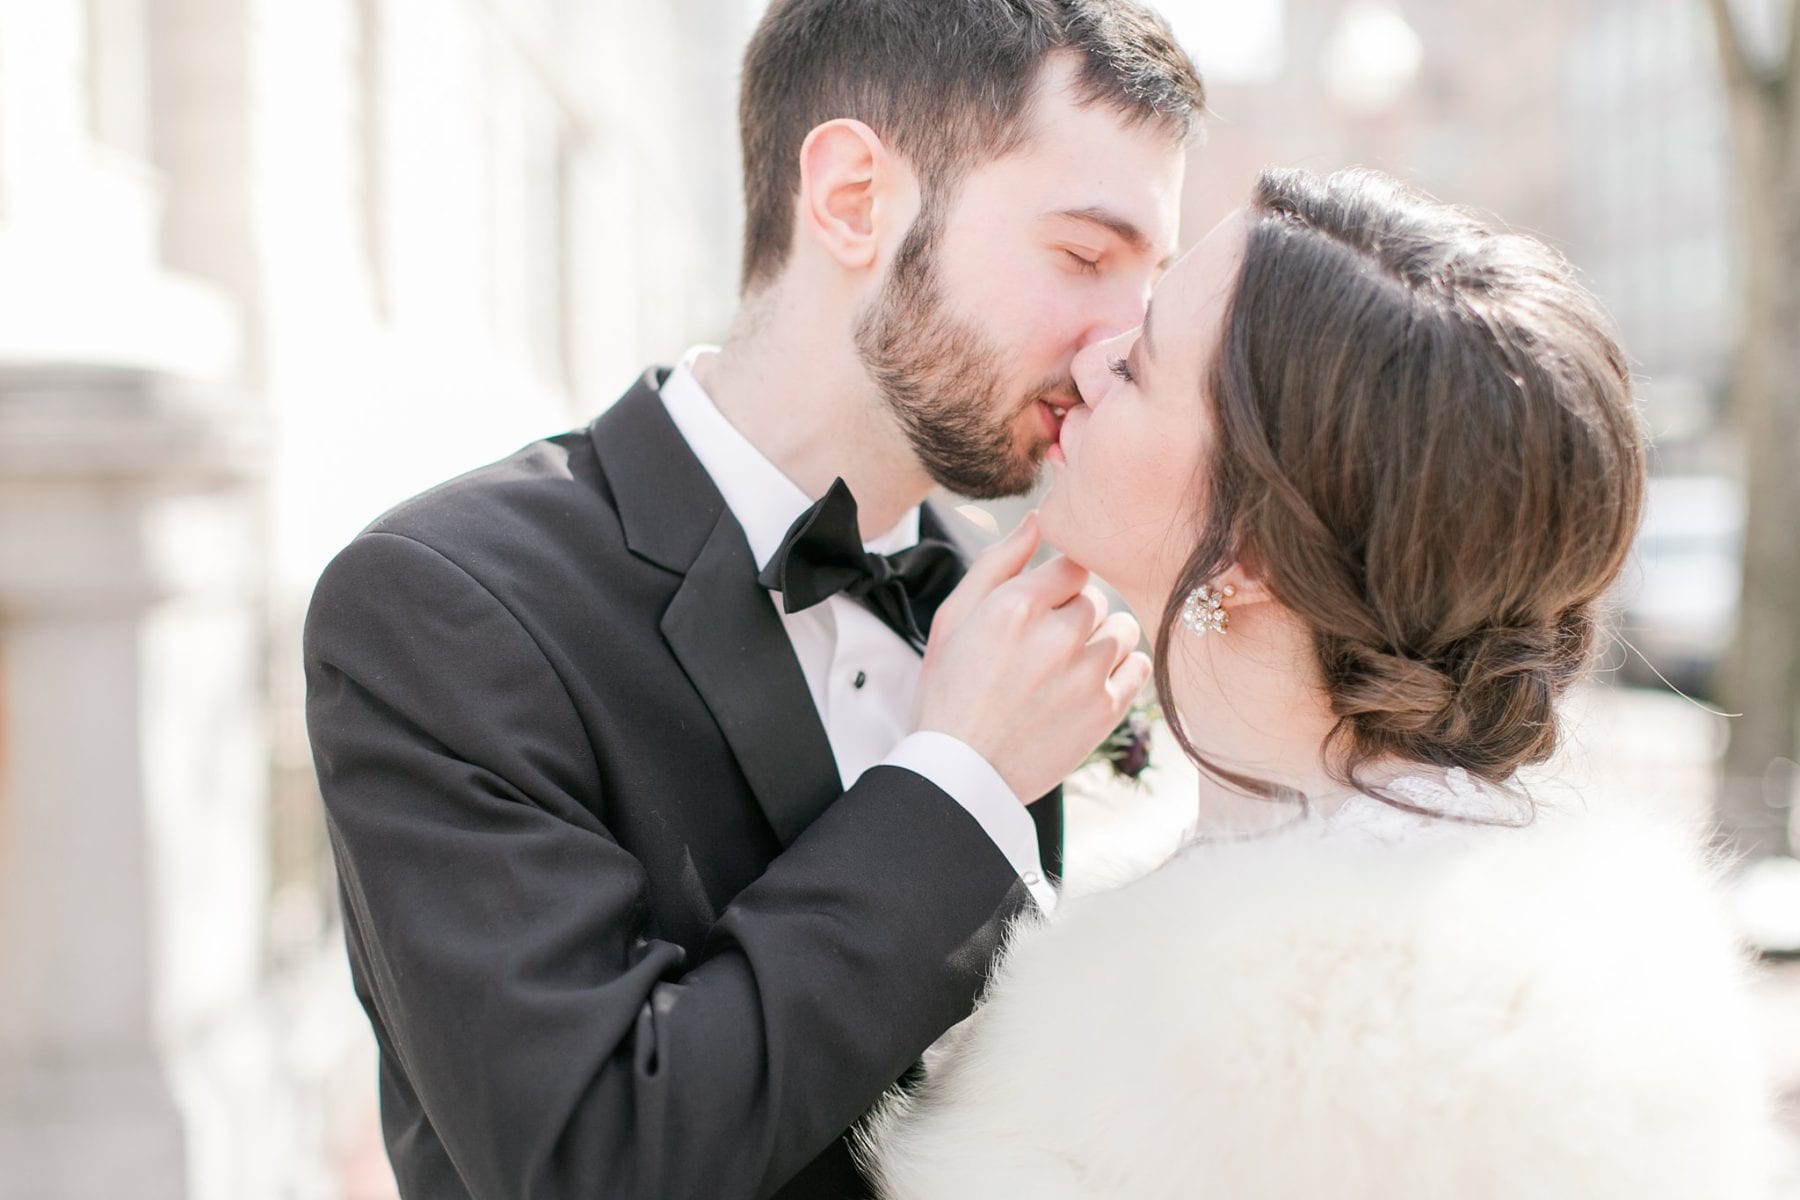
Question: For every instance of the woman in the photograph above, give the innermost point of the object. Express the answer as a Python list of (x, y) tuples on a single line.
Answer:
[(1376, 465)]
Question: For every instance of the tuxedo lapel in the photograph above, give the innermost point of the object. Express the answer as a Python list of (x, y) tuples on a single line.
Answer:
[(968, 538), (720, 625), (733, 647)]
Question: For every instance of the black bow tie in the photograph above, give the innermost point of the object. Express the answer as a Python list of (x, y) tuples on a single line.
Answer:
[(823, 555)]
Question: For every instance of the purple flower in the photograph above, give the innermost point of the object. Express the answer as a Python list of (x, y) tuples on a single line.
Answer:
[(1127, 749), (1131, 745)]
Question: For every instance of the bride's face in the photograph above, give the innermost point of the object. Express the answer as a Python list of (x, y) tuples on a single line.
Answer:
[(1124, 491)]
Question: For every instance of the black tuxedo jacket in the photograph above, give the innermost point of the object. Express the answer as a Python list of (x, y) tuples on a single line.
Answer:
[(620, 930)]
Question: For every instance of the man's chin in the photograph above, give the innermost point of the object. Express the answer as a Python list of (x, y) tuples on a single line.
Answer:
[(1021, 479)]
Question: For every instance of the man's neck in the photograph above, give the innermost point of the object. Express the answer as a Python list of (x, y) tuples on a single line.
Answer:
[(813, 412)]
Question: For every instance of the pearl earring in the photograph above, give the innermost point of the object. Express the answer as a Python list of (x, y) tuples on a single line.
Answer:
[(1204, 611)]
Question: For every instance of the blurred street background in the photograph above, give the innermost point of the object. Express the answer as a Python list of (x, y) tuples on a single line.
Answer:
[(269, 266)]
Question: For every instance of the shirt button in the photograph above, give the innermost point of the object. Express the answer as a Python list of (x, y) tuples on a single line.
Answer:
[(862, 677), (1031, 878)]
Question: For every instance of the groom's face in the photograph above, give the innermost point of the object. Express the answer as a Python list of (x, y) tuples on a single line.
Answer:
[(994, 291)]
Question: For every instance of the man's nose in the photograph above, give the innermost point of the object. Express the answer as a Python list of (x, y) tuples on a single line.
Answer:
[(1121, 312), (1090, 369)]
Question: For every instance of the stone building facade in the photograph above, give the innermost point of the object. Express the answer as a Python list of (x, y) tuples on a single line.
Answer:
[(267, 267)]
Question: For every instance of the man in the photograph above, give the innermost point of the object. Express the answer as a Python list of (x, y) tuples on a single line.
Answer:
[(652, 880)]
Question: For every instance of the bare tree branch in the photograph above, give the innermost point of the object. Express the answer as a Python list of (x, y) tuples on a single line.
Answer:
[(1788, 76), (1740, 72), (1791, 64)]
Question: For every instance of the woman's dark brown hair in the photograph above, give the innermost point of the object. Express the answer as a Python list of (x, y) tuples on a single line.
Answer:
[(1427, 447)]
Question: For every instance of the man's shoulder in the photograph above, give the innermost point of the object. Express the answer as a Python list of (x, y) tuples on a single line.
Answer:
[(569, 484), (548, 481), (533, 521), (551, 517)]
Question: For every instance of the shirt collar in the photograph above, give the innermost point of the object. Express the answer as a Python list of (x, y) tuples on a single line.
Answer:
[(764, 501)]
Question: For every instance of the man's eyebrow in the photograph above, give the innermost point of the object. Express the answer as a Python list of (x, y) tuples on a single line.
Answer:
[(1115, 224)]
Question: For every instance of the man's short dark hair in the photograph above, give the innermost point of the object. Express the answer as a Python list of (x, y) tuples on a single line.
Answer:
[(946, 83)]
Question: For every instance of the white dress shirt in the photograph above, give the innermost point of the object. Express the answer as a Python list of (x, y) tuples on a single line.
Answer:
[(863, 676)]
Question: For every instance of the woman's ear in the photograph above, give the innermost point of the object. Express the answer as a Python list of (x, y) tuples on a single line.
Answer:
[(1246, 582), (848, 192)]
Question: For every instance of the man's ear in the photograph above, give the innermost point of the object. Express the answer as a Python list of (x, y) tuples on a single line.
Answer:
[(849, 185)]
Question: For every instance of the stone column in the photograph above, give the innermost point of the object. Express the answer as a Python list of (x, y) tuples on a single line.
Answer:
[(130, 765), (132, 776)]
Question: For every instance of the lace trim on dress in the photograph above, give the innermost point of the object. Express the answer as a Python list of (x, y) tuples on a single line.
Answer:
[(1449, 794)]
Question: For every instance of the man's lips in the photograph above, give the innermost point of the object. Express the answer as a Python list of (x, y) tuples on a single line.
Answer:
[(1054, 412), (1051, 411)]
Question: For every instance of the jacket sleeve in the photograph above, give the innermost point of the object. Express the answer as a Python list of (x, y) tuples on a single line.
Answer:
[(498, 937)]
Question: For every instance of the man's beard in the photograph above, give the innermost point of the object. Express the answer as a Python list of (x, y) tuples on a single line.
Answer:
[(943, 381)]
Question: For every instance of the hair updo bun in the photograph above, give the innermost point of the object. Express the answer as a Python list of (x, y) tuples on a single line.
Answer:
[(1485, 702), (1426, 442)]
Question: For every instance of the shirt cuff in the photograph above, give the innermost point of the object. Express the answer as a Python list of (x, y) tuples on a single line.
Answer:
[(970, 780)]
